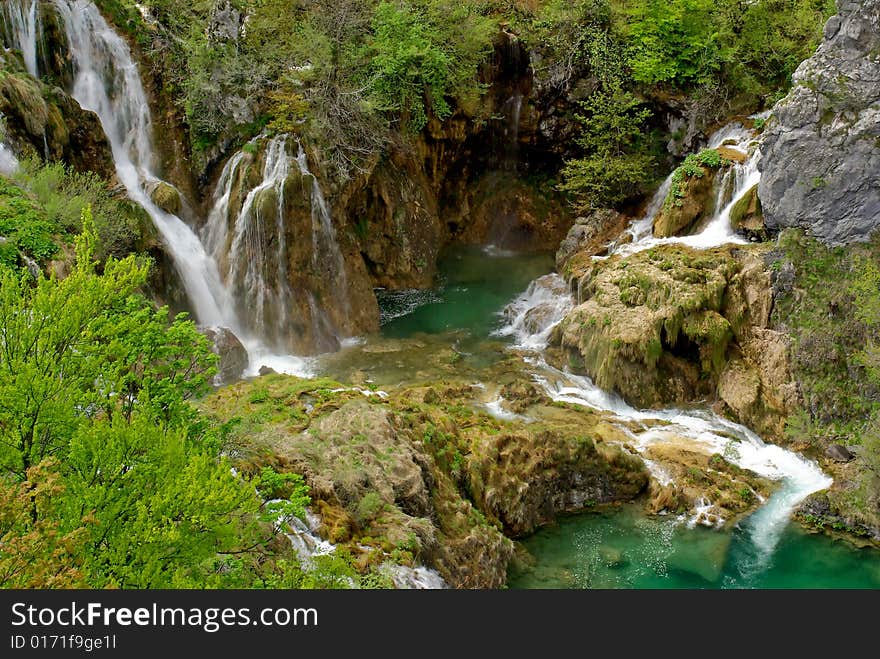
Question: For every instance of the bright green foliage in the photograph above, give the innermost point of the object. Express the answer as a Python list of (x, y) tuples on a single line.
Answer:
[(617, 165), (24, 225), (674, 41), (415, 64), (693, 166), (157, 506)]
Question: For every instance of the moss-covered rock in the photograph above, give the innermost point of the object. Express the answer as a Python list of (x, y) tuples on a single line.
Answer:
[(46, 122), (694, 203), (423, 473), (672, 325), (747, 217), (166, 197)]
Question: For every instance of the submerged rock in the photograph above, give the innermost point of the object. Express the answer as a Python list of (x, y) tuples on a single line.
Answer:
[(821, 165)]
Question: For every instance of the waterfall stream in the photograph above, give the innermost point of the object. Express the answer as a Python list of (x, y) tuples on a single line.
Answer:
[(24, 29), (8, 161), (531, 318), (253, 257), (107, 82), (737, 181)]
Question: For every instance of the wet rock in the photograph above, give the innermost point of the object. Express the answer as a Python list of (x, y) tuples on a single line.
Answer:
[(839, 453), (165, 196), (48, 123), (697, 203), (266, 370), (821, 164), (233, 356), (747, 217)]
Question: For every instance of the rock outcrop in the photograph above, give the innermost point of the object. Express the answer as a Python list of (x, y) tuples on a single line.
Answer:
[(672, 325), (821, 166), (46, 122), (420, 475)]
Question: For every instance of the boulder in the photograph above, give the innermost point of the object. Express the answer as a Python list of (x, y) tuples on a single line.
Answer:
[(839, 453), (233, 356), (165, 196), (696, 203), (821, 162)]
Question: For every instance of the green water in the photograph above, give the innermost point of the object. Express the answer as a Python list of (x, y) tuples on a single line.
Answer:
[(448, 331), (472, 287), (627, 549)]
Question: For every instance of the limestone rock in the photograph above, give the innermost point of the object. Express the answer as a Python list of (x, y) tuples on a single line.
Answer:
[(589, 236), (821, 164), (165, 196), (233, 356), (839, 453), (679, 215)]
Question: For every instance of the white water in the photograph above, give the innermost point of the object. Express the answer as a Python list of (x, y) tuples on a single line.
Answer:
[(252, 267), (532, 316), (326, 255), (308, 545), (739, 179), (107, 82), (22, 18), (8, 162), (703, 429)]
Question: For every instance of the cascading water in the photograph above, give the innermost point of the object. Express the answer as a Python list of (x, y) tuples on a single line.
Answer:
[(250, 248), (8, 162), (107, 82), (327, 257), (737, 181), (705, 430), (23, 30)]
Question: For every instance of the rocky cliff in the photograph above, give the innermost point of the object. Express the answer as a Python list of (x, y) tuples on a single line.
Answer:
[(821, 169)]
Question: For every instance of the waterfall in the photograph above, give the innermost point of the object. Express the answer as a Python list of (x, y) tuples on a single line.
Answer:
[(8, 161), (23, 30), (798, 477), (740, 178), (327, 259), (308, 545), (107, 82), (254, 264)]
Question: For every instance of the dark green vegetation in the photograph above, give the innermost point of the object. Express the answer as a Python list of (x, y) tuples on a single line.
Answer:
[(829, 301), (354, 73)]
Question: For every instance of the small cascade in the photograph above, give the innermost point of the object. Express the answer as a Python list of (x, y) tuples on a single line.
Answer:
[(250, 248), (532, 316), (327, 259), (705, 430), (308, 545), (736, 183), (8, 162), (23, 30)]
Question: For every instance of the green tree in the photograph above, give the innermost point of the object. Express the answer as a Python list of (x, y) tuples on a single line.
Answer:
[(617, 164)]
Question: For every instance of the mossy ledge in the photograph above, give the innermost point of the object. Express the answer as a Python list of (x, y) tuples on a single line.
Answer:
[(422, 475)]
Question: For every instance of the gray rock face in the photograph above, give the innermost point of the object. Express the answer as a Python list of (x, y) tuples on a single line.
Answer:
[(821, 165)]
